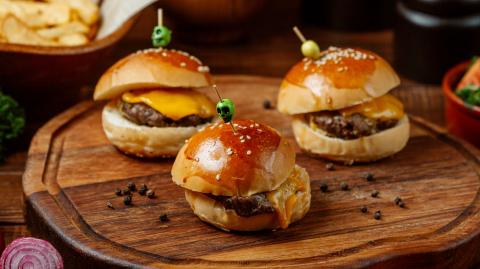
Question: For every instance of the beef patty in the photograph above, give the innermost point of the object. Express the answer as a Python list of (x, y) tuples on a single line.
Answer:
[(143, 114), (246, 206), (348, 127)]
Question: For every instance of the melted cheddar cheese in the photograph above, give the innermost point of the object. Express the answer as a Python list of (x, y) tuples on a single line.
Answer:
[(285, 197), (173, 103), (386, 107)]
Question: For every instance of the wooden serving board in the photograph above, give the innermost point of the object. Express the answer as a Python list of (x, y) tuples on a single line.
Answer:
[(72, 171)]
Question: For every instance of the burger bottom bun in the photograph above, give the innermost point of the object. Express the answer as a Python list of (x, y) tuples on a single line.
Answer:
[(213, 212), (143, 141), (363, 149)]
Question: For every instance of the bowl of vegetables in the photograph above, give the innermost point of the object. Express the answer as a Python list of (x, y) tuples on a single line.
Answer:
[(461, 87)]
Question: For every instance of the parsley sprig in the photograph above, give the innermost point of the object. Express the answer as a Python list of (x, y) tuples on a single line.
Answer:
[(12, 121)]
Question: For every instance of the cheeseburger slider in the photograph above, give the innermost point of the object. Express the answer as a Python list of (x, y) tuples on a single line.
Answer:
[(153, 106), (245, 180), (341, 107)]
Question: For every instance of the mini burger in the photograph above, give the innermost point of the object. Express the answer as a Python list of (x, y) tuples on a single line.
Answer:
[(154, 107), (245, 180), (341, 107)]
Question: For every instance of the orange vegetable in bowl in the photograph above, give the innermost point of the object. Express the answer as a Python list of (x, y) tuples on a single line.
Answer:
[(472, 77)]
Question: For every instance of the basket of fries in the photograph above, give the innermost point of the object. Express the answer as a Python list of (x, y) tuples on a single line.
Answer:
[(52, 47)]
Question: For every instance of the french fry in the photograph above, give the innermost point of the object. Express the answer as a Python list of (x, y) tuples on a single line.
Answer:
[(48, 22), (36, 14), (74, 27), (75, 39), (16, 32), (86, 9)]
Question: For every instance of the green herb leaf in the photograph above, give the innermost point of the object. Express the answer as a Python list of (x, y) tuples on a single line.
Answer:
[(470, 94), (12, 121)]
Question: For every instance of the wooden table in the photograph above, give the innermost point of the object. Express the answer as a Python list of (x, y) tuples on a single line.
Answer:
[(270, 52)]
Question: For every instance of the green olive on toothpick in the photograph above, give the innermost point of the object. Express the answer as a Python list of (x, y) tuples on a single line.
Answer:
[(225, 109), (309, 48), (161, 35)]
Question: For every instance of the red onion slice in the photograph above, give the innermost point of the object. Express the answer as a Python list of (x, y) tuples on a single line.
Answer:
[(30, 253)]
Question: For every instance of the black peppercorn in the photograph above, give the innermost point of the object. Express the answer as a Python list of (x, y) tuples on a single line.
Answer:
[(368, 176), (126, 192), (163, 217), (364, 209), (267, 104), (118, 192), (131, 186), (377, 215), (109, 205), (329, 167), (150, 194), (127, 200), (397, 200), (344, 186), (143, 189), (324, 187), (401, 204), (375, 193)]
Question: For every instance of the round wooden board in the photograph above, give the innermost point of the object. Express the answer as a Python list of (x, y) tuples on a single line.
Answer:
[(72, 171)]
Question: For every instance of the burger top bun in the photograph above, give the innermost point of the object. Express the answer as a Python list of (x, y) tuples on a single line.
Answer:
[(218, 161), (152, 68), (339, 78)]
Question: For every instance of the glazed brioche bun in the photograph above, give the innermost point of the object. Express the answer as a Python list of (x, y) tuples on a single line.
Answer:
[(218, 161), (363, 149), (148, 69), (213, 212), (339, 78), (152, 68), (143, 141)]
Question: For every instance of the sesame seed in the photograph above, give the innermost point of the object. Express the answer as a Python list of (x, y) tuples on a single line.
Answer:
[(182, 64), (249, 152), (229, 151), (256, 125), (195, 59), (217, 177), (251, 125), (248, 137), (241, 137), (164, 54), (203, 69), (259, 130), (242, 141)]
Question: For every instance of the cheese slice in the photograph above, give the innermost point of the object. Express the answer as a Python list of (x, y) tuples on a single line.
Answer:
[(284, 198), (173, 103), (385, 107)]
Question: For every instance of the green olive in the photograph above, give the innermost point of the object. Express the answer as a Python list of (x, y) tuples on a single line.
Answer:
[(226, 110), (310, 49), (161, 36)]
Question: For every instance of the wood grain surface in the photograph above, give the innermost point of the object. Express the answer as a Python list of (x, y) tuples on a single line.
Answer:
[(72, 171)]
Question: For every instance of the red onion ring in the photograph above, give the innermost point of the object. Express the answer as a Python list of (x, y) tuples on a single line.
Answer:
[(30, 253)]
